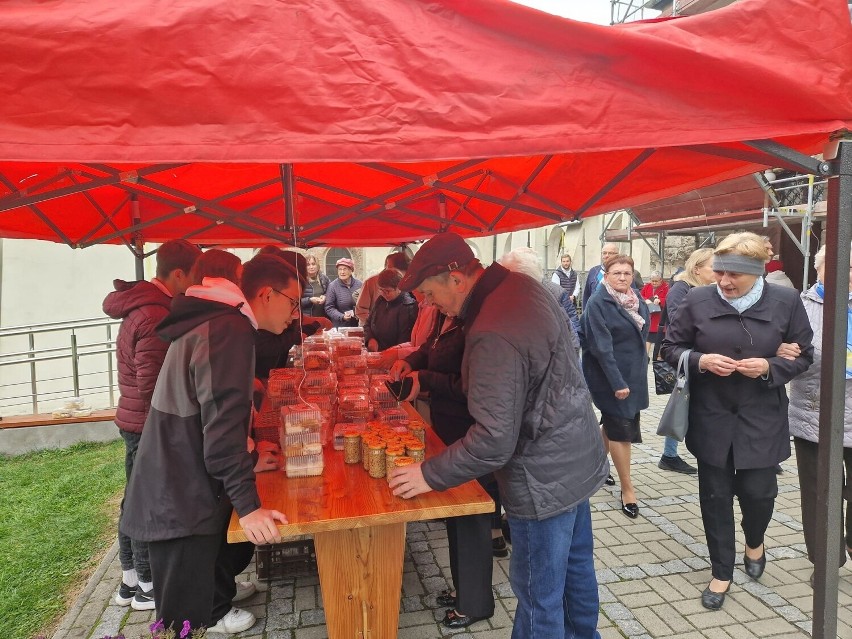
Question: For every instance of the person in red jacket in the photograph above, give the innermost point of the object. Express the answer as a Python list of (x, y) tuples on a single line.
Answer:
[(654, 293), (140, 353)]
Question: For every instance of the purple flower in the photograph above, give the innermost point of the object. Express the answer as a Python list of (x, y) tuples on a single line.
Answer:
[(157, 626), (185, 630)]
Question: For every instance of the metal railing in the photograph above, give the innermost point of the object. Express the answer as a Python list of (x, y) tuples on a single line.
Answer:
[(43, 364)]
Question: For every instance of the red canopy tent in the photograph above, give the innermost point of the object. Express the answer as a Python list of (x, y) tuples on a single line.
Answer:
[(383, 121), (354, 122)]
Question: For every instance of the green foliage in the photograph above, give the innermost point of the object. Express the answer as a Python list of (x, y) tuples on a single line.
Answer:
[(57, 514)]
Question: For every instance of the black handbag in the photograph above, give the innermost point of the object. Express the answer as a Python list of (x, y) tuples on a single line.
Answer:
[(664, 377), (675, 419)]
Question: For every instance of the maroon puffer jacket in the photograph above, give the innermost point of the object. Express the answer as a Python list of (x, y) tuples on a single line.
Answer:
[(139, 350)]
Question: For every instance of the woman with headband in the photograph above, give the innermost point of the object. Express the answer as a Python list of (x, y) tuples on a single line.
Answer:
[(738, 427)]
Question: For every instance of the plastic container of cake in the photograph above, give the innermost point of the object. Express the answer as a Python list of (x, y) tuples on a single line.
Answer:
[(300, 418), (304, 466)]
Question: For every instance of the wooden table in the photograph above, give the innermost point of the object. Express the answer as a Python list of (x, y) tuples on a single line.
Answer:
[(359, 535)]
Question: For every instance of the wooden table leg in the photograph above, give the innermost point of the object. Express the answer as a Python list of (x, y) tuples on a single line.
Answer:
[(360, 573)]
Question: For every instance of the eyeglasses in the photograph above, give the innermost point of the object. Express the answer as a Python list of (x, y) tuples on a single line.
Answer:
[(294, 304), (386, 291), (620, 274)]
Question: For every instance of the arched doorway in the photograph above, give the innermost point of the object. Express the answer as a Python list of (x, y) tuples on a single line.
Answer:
[(331, 260)]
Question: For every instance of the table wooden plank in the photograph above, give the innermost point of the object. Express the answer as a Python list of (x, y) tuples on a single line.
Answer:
[(346, 497)]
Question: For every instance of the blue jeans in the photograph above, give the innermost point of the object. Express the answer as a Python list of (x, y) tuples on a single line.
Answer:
[(552, 572), (670, 448)]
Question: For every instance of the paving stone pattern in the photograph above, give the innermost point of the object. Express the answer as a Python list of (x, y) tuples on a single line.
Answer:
[(651, 572)]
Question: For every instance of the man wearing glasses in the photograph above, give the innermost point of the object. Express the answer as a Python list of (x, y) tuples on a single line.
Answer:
[(192, 467), (596, 273)]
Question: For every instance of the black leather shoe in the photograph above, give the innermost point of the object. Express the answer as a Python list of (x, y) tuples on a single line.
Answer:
[(499, 547), (713, 600), (446, 600), (452, 619), (631, 510), (610, 480), (754, 567)]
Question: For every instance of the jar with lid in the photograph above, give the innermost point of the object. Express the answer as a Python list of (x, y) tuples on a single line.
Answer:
[(418, 429), (417, 451), (391, 455), (351, 447), (366, 439), (376, 459)]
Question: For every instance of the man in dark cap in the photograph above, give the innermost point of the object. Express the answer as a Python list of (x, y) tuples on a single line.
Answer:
[(535, 429)]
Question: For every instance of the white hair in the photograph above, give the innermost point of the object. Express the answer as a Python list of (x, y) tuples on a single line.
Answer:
[(523, 260), (655, 275), (819, 258)]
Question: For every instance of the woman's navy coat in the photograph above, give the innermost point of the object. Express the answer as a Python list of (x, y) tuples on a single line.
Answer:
[(614, 355)]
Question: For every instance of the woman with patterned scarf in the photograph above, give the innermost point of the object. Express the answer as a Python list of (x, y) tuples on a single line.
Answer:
[(613, 330)]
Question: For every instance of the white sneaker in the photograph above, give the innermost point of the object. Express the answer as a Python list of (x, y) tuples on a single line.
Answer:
[(245, 589), (235, 620)]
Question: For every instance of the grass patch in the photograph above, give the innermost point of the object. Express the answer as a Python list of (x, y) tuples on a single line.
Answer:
[(57, 515)]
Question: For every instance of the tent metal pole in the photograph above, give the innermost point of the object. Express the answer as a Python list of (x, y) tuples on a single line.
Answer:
[(138, 243), (288, 185), (832, 393)]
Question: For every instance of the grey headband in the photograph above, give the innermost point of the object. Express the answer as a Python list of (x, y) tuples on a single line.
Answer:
[(734, 263)]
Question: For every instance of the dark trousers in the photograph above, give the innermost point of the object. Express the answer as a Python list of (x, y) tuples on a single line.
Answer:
[(755, 489), (807, 454), (131, 553), (471, 561), (194, 577)]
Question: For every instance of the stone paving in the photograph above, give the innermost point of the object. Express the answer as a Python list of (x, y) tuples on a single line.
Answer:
[(651, 572)]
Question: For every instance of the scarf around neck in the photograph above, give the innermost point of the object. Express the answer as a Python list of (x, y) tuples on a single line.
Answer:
[(819, 288), (745, 302), (629, 301)]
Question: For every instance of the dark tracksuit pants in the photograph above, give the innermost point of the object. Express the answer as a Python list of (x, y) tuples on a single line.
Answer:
[(194, 577)]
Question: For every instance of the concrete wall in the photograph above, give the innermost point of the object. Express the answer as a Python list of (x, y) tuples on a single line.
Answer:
[(46, 282)]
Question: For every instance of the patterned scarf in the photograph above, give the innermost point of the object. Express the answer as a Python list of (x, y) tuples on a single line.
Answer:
[(820, 290), (629, 301)]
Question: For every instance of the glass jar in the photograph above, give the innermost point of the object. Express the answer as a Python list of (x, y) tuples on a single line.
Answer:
[(417, 451), (391, 454), (366, 439), (418, 429), (351, 447), (376, 460)]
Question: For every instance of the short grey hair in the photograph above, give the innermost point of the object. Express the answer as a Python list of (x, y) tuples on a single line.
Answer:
[(655, 275), (523, 260), (819, 258)]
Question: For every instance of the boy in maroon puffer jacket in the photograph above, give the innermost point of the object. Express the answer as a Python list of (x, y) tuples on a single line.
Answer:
[(140, 353)]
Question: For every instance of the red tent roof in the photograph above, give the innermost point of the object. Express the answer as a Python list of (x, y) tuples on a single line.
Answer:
[(377, 106)]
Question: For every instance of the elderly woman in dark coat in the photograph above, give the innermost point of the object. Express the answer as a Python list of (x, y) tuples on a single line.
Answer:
[(804, 419), (613, 330), (738, 428)]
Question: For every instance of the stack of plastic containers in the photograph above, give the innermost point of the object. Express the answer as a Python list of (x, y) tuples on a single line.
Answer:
[(300, 440)]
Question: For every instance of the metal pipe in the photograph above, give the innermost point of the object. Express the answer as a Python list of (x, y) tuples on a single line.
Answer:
[(75, 369), (832, 393), (138, 243), (33, 383)]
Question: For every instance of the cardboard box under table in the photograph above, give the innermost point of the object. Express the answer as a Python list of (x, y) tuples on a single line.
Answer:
[(359, 535)]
